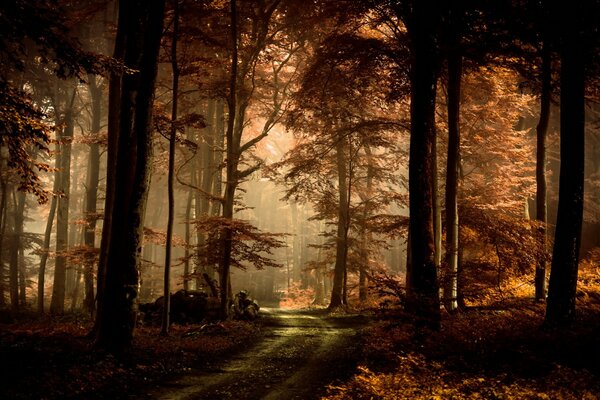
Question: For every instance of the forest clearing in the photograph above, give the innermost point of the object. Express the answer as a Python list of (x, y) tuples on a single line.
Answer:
[(285, 199)]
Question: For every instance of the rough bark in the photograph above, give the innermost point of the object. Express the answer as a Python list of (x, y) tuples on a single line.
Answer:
[(424, 298), (540, 170), (452, 167), (3, 214), (171, 174), (562, 288), (141, 23), (47, 237), (15, 248), (91, 195), (341, 252), (114, 106), (57, 303), (365, 237)]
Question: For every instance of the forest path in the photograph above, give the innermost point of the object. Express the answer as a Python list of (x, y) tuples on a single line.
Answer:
[(300, 353)]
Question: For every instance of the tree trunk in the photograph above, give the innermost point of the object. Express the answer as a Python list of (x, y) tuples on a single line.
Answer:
[(424, 299), (57, 304), (364, 235), (205, 179), (141, 25), (188, 238), (91, 195), (341, 253), (437, 209), (452, 167), (114, 106), (15, 247), (47, 236), (3, 215), (217, 168), (164, 330), (22, 273), (231, 168), (560, 309), (540, 170)]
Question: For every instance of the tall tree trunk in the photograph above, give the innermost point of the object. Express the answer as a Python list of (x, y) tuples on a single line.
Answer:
[(424, 299), (3, 215), (57, 304), (540, 170), (22, 275), (364, 235), (188, 238), (560, 309), (437, 210), (141, 25), (452, 167), (164, 330), (47, 236), (15, 247), (341, 253), (114, 106), (91, 195), (297, 269), (205, 180), (217, 167), (231, 168)]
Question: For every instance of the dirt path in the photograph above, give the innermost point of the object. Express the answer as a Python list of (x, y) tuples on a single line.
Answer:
[(300, 354)]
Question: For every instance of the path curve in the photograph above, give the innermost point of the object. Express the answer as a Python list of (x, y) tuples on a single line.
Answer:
[(300, 354)]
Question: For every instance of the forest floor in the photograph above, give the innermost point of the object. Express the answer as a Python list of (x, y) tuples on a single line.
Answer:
[(500, 351), (492, 352)]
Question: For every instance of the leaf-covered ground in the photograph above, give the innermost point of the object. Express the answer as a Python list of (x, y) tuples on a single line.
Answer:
[(496, 352), (53, 359)]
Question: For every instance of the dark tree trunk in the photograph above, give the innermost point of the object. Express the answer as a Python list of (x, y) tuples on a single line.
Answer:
[(217, 166), (114, 106), (47, 236), (15, 248), (365, 236), (540, 171), (453, 160), (231, 168), (22, 272), (424, 297), (205, 176), (91, 195), (57, 304), (188, 239), (141, 25), (341, 253), (164, 330), (565, 260), (3, 214)]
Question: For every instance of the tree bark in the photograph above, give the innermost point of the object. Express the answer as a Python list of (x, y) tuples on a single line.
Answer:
[(424, 298), (341, 253), (15, 248), (114, 106), (560, 309), (452, 167), (365, 237), (231, 167), (91, 195), (540, 170), (3, 215), (57, 304), (141, 23), (47, 236), (171, 174)]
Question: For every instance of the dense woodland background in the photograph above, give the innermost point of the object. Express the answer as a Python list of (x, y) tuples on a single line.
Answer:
[(431, 155)]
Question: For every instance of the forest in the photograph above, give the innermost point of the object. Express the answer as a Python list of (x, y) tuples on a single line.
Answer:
[(284, 199)]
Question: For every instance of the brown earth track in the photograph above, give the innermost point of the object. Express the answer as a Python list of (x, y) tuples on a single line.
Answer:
[(299, 355)]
